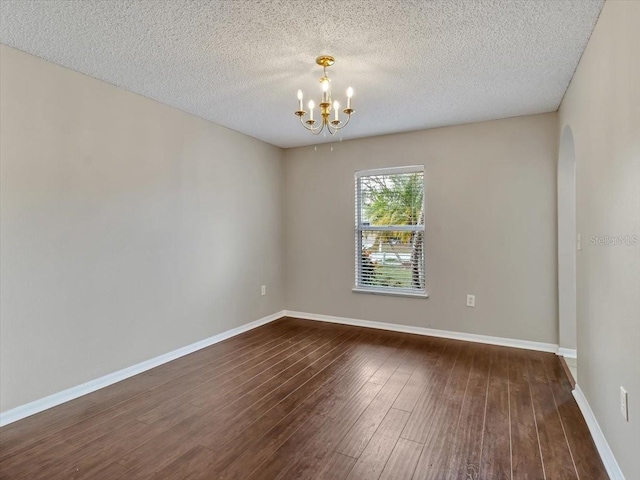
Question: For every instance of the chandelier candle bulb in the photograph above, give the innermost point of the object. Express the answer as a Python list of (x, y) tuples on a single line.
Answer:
[(325, 91), (336, 106), (311, 105), (349, 95), (300, 99)]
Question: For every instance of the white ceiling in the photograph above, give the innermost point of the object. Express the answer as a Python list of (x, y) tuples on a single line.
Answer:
[(413, 64)]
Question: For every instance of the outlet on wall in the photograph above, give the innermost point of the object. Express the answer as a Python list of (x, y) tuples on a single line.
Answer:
[(263, 290), (471, 300), (624, 404)]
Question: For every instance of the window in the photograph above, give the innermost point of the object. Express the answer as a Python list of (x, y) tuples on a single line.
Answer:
[(390, 231)]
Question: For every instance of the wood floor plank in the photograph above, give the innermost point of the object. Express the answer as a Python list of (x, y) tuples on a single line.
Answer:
[(110, 471), (495, 462), (234, 387), (422, 415), (385, 371), (16, 442), (303, 454), (556, 456), (374, 457), (85, 431), (268, 404), (277, 402), (466, 445), (578, 436), (308, 461), (434, 460), (193, 461), (403, 460), (299, 456), (166, 404), (262, 460), (78, 460), (357, 438), (347, 370), (336, 467), (411, 392), (525, 448), (211, 391), (94, 456), (213, 369), (154, 455), (22, 465), (220, 353)]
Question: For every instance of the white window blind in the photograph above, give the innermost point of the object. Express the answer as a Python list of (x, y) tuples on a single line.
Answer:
[(390, 230)]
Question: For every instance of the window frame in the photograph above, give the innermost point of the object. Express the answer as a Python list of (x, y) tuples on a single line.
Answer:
[(359, 228)]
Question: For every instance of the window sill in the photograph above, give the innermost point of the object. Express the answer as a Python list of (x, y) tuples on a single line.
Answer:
[(392, 294)]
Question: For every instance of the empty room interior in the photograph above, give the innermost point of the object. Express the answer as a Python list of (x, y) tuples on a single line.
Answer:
[(338, 240)]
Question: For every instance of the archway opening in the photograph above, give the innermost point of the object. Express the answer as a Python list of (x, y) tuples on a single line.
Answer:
[(567, 248)]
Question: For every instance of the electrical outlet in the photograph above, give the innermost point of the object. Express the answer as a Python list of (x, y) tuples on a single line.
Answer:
[(624, 404), (471, 300), (263, 290)]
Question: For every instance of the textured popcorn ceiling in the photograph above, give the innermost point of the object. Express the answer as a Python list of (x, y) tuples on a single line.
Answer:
[(413, 64)]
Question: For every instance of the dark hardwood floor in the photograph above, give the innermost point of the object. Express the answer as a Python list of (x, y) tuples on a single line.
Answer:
[(297, 399)]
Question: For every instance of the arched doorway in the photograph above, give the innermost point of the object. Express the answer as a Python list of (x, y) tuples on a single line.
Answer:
[(567, 246)]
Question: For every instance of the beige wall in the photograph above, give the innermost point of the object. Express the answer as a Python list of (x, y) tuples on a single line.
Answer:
[(490, 223), (128, 228), (602, 107)]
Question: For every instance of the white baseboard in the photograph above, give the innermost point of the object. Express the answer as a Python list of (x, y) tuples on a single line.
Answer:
[(469, 337), (72, 393), (567, 352), (610, 463)]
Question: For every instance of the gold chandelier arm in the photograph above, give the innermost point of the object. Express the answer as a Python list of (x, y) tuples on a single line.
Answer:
[(316, 130), (345, 123), (339, 127)]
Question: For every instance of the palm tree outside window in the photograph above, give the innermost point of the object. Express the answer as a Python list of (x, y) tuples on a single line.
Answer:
[(390, 253)]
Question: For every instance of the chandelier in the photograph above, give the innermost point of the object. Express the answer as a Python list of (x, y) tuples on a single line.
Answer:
[(325, 105)]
